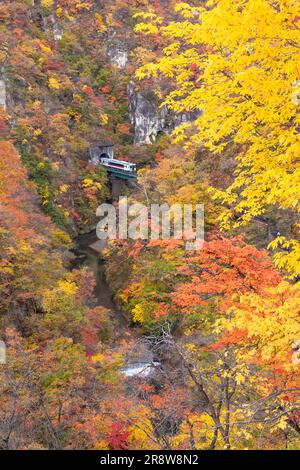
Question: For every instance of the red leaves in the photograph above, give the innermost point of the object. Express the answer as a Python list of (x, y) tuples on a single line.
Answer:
[(224, 267), (95, 320), (4, 124), (89, 91), (124, 128), (168, 245), (193, 67), (195, 71), (106, 89), (158, 156), (163, 310), (137, 247), (75, 214), (118, 436), (234, 337), (54, 64)]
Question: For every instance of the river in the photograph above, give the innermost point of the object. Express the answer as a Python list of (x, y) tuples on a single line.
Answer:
[(139, 362), (89, 253)]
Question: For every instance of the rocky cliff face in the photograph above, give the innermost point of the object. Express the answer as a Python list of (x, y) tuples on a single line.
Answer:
[(2, 93), (57, 30), (117, 53), (147, 120)]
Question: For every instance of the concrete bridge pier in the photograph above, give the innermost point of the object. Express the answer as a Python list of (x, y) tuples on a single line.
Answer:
[(116, 186)]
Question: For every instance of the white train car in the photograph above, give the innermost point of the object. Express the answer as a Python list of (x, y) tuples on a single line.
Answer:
[(116, 166)]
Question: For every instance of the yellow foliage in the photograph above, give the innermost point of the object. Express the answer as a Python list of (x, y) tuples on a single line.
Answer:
[(97, 358), (64, 188), (289, 258), (142, 427), (60, 238), (68, 287), (271, 322), (54, 83), (87, 183), (138, 314), (57, 298), (47, 3), (37, 133), (25, 248), (83, 6), (45, 48), (104, 119), (101, 444), (203, 428), (238, 63), (100, 23)]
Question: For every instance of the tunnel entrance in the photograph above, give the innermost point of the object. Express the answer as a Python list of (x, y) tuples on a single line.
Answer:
[(103, 155), (101, 151)]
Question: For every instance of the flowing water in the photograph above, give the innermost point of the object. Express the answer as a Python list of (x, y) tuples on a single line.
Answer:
[(140, 361), (89, 247)]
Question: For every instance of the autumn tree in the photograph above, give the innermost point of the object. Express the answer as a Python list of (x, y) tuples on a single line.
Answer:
[(40, 392), (238, 62), (168, 282), (25, 238)]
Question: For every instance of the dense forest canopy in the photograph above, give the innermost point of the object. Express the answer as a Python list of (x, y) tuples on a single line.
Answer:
[(203, 97)]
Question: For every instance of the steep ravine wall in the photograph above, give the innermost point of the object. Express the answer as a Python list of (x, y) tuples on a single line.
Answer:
[(149, 120), (2, 92)]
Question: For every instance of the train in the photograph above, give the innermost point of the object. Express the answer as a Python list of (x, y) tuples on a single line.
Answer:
[(112, 163)]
